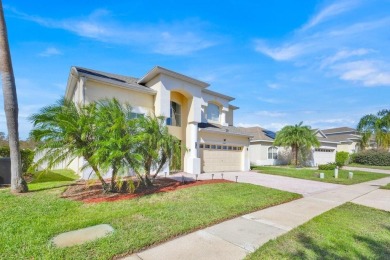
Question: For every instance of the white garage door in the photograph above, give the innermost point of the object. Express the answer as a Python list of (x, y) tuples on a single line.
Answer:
[(221, 160), (323, 156)]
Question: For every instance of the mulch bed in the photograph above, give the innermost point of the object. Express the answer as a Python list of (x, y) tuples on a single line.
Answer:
[(92, 192)]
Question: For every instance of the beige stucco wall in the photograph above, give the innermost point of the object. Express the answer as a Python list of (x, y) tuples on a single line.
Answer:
[(141, 102), (229, 117), (345, 147)]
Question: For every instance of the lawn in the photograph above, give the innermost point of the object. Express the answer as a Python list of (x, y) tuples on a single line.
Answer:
[(349, 231), (50, 179), (386, 187), (369, 166), (312, 174), (29, 221)]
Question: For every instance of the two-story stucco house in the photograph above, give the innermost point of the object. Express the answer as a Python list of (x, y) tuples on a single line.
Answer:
[(202, 119)]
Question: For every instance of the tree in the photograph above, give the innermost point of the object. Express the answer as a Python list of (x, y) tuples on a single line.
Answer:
[(65, 131), (18, 184), (296, 137), (157, 147), (116, 138), (375, 125)]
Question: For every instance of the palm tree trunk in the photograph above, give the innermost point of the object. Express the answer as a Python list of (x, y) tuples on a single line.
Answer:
[(18, 184)]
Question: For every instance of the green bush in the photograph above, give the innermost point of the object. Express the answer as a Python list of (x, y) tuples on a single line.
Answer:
[(373, 157), (342, 158), (328, 166), (26, 154)]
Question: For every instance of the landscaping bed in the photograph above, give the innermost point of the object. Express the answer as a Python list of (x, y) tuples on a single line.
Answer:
[(92, 192), (313, 174), (349, 231), (29, 221)]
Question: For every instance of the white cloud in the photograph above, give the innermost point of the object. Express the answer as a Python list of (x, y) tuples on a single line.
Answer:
[(175, 38), (273, 85), (328, 12), (270, 113), (51, 51), (344, 54), (368, 72), (271, 100), (286, 52)]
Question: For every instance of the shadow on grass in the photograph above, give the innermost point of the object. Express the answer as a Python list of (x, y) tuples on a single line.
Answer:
[(50, 177), (378, 249), (50, 187)]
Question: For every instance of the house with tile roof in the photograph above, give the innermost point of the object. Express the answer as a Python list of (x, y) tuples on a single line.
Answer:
[(348, 138), (263, 152), (200, 118)]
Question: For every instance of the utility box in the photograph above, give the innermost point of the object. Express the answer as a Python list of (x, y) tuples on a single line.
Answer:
[(5, 171)]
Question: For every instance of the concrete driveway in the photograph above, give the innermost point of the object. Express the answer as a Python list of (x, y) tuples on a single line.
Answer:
[(300, 186)]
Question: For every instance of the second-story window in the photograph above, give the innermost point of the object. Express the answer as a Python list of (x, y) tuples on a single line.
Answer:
[(213, 112), (175, 114)]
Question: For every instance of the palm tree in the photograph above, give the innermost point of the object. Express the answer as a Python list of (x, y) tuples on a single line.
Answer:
[(65, 131), (296, 137), (116, 139), (18, 184), (157, 147), (377, 125)]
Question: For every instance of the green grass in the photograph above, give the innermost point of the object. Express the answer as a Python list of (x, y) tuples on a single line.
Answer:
[(386, 187), (312, 174), (29, 221), (347, 232), (50, 179), (369, 166)]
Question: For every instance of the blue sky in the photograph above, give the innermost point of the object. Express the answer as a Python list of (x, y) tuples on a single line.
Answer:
[(326, 63)]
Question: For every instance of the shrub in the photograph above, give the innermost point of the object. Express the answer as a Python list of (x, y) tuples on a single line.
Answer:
[(26, 154), (373, 157), (342, 158), (328, 166)]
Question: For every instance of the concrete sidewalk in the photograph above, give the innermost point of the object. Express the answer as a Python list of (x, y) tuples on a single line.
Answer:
[(300, 186), (349, 168), (234, 239)]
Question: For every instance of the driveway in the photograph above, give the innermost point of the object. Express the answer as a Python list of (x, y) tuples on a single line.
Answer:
[(300, 186)]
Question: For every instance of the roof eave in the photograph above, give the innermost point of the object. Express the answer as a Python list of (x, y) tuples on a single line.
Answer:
[(160, 70), (222, 132), (119, 84)]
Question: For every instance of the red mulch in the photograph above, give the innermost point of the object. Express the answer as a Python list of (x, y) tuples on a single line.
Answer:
[(92, 192)]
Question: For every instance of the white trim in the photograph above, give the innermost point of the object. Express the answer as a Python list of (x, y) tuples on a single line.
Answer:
[(160, 70), (223, 133), (207, 91)]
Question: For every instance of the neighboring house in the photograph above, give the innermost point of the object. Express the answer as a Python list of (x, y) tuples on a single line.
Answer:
[(202, 119), (263, 152), (348, 138)]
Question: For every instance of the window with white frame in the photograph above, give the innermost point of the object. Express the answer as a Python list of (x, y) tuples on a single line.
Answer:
[(213, 112), (175, 114), (272, 153)]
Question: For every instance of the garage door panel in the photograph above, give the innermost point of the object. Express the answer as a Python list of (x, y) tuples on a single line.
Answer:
[(217, 160)]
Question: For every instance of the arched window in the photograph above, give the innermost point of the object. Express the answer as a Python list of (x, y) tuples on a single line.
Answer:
[(175, 114), (213, 112), (272, 153)]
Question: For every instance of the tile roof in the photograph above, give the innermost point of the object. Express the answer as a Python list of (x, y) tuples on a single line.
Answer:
[(115, 77), (259, 133), (223, 129), (343, 137), (338, 130)]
